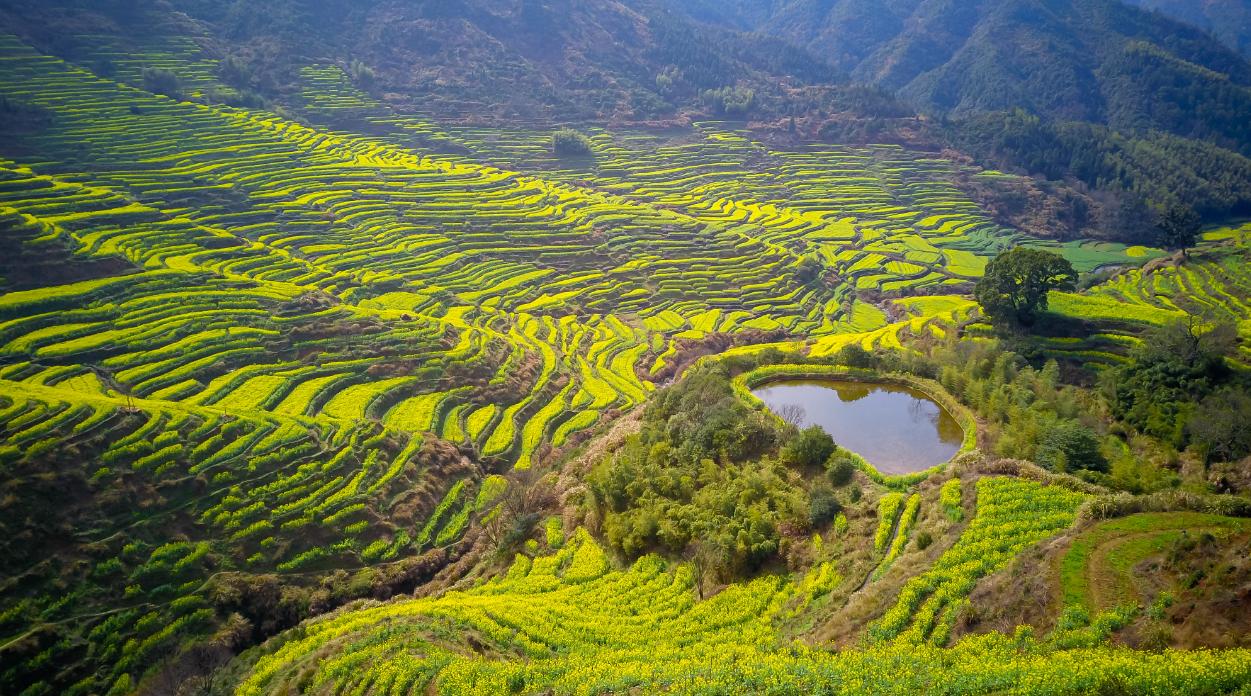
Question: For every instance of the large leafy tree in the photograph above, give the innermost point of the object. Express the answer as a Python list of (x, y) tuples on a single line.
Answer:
[(1179, 228), (1016, 284)]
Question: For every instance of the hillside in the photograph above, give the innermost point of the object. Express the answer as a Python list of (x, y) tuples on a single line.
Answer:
[(1076, 60), (372, 347), (1227, 20), (598, 59)]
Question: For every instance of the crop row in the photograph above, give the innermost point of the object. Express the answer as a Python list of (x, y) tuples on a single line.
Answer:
[(1012, 514), (582, 628)]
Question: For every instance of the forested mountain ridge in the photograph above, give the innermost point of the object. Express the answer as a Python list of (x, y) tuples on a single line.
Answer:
[(1078, 60), (531, 59), (1122, 112), (1227, 20)]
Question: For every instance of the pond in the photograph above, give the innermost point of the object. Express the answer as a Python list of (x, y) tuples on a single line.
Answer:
[(899, 430)]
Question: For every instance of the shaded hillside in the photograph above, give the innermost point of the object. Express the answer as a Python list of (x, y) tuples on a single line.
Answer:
[(595, 59), (1112, 78), (1228, 20), (1085, 60)]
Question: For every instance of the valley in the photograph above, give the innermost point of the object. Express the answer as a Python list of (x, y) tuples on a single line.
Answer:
[(309, 390)]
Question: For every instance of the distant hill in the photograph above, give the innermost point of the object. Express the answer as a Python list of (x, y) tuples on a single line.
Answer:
[(577, 59), (1228, 20), (1082, 60), (1140, 109)]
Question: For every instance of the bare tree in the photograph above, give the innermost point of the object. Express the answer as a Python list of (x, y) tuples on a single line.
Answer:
[(519, 508), (793, 414)]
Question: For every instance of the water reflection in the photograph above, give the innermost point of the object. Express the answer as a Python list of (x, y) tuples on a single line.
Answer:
[(896, 428)]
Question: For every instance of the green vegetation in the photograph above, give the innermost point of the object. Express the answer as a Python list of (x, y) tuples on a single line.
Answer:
[(1015, 285), (577, 622), (951, 499), (567, 142), (261, 372), (1097, 570), (1179, 228), (1177, 383), (1012, 515), (695, 476)]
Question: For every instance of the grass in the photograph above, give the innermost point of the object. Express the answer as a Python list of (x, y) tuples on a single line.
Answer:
[(1097, 569), (576, 621), (301, 307)]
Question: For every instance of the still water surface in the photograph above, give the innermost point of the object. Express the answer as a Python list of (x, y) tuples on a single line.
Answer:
[(898, 429)]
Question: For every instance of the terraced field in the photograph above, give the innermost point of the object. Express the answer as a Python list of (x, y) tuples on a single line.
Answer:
[(1214, 282), (291, 348), (577, 622), (1098, 570)]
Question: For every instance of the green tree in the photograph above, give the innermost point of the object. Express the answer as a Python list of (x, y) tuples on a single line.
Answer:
[(1176, 366), (1016, 284), (812, 448), (840, 468), (853, 355), (808, 270), (568, 142), (822, 506), (162, 81), (1178, 228), (1221, 425), (1069, 446)]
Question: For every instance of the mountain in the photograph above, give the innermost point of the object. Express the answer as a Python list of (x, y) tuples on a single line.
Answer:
[(1109, 80), (1081, 60), (1227, 20), (575, 59)]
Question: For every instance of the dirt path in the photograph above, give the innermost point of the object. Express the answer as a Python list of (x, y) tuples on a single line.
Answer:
[(873, 571), (1110, 570)]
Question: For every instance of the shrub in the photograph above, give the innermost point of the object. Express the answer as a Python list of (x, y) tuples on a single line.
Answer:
[(809, 269), (840, 468), (162, 81), (730, 101), (234, 72), (361, 73), (554, 531), (1070, 446), (567, 142), (822, 506), (1221, 425), (813, 447), (853, 355), (924, 540), (840, 524)]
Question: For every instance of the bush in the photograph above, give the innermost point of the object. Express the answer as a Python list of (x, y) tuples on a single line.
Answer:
[(840, 468), (234, 72), (852, 355), (1221, 425), (822, 506), (687, 482), (730, 101), (567, 142), (1069, 446), (361, 73), (1177, 366), (809, 269), (812, 448), (1107, 507), (924, 540), (161, 81)]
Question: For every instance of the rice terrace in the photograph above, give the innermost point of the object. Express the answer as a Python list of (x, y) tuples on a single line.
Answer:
[(624, 347)]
